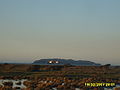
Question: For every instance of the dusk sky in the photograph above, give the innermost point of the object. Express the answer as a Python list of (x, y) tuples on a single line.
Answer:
[(70, 29)]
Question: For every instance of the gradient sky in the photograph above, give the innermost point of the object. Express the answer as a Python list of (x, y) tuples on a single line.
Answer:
[(75, 29)]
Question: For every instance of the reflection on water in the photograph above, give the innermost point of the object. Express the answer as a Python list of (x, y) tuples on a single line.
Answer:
[(15, 83)]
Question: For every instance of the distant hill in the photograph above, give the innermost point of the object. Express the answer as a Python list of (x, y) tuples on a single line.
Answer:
[(55, 61)]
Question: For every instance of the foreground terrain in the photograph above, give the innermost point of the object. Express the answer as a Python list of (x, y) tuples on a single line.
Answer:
[(58, 77)]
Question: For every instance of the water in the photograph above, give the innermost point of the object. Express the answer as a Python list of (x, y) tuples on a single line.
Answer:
[(14, 82)]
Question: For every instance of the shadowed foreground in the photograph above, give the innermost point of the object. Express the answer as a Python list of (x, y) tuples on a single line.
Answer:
[(60, 77)]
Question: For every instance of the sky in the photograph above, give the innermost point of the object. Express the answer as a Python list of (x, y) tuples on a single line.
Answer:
[(70, 29)]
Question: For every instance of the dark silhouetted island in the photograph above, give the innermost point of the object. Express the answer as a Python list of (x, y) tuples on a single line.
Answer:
[(56, 61)]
